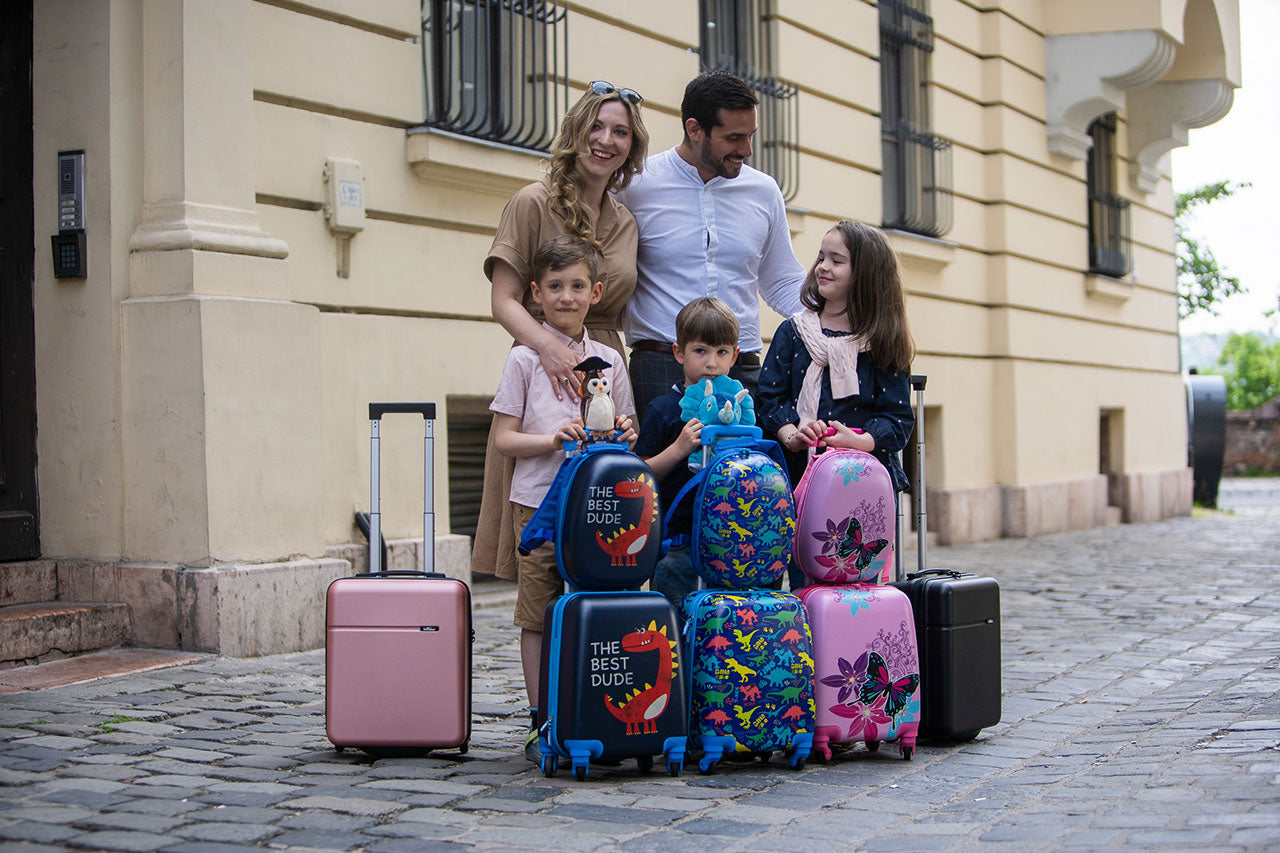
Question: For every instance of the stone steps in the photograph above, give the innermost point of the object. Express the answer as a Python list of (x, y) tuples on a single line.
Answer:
[(36, 626)]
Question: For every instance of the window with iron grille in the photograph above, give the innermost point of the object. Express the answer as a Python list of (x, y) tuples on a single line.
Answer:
[(1110, 248), (917, 163), (736, 37), (496, 69)]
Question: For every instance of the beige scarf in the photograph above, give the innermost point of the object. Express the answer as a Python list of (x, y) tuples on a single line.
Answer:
[(840, 354)]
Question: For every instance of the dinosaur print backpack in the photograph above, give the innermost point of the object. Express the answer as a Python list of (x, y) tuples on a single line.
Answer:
[(743, 512), (604, 515), (750, 668)]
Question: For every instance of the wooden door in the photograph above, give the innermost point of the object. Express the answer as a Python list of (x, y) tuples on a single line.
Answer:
[(19, 510)]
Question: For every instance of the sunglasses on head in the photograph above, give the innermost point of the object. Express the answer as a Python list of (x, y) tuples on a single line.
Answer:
[(604, 87)]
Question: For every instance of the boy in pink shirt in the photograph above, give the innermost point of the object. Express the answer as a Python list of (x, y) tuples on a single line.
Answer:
[(531, 425)]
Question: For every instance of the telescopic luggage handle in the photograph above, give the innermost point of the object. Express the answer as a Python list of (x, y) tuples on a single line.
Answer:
[(428, 413), (922, 516)]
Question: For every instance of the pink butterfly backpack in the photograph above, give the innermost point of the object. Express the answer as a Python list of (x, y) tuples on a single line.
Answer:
[(845, 519)]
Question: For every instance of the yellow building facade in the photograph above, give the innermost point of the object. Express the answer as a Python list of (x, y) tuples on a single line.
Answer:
[(201, 392)]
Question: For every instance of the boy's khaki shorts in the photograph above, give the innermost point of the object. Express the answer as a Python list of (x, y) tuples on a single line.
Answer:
[(538, 582)]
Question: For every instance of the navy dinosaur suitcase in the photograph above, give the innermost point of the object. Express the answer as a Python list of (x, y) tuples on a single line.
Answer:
[(611, 682), (957, 617)]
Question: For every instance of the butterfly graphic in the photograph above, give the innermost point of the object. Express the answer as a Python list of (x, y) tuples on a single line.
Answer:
[(852, 557), (878, 684)]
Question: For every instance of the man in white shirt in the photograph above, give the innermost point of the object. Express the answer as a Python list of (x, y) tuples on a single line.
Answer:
[(710, 225)]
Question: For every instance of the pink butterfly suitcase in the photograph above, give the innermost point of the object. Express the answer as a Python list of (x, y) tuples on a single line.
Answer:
[(846, 520), (866, 668), (398, 644)]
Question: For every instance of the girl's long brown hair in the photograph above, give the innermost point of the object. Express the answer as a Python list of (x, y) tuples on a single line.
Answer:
[(566, 184), (877, 306)]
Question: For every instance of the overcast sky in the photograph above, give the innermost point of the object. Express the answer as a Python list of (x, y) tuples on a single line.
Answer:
[(1243, 231)]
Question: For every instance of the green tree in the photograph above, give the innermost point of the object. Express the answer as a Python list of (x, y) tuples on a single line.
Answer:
[(1251, 366), (1202, 282)]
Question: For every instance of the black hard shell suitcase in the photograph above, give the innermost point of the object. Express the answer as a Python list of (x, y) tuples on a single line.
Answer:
[(612, 682), (957, 617)]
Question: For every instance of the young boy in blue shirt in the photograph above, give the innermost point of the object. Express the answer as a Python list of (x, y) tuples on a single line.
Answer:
[(706, 347)]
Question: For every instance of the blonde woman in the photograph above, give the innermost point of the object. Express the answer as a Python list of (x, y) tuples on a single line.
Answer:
[(601, 146)]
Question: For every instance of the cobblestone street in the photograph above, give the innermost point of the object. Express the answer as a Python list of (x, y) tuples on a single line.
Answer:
[(1141, 711)]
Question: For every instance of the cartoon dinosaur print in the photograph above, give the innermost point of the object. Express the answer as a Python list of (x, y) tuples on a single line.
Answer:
[(717, 718), (722, 508), (743, 469), (740, 568), (733, 527), (719, 565), (744, 715), (792, 636), (745, 506), (782, 503), (776, 677), (788, 694), (748, 616), (718, 642), (746, 549), (744, 672), (641, 710), (623, 546), (717, 697), (806, 660), (751, 693), (785, 617), (744, 640), (793, 713), (714, 624)]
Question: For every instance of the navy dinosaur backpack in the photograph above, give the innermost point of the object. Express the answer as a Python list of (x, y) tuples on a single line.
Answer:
[(604, 515)]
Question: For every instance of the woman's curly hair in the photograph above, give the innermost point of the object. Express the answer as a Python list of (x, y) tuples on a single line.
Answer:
[(562, 177)]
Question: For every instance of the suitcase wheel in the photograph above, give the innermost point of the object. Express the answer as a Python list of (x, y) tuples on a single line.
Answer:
[(580, 772), (550, 764), (644, 762), (340, 748), (873, 745), (907, 752), (706, 765), (674, 768), (463, 747)]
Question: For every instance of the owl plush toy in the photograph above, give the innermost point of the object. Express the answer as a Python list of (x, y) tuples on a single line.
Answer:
[(597, 406)]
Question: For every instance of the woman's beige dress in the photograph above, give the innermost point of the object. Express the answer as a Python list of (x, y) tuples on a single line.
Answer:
[(528, 220)]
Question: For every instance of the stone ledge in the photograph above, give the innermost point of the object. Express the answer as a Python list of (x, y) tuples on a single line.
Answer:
[(453, 555), (37, 631)]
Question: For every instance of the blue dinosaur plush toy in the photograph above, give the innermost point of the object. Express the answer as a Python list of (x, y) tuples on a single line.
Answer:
[(715, 402)]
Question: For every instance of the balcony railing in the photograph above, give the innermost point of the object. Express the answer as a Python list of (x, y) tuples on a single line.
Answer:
[(1110, 246), (917, 179), (496, 69)]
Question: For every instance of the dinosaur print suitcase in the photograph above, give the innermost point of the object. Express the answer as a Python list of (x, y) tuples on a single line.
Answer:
[(845, 519), (866, 666), (611, 682), (751, 674)]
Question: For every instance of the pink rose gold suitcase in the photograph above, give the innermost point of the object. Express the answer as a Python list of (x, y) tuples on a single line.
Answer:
[(398, 644)]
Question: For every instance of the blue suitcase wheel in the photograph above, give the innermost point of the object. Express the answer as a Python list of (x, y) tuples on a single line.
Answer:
[(550, 764), (706, 765)]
